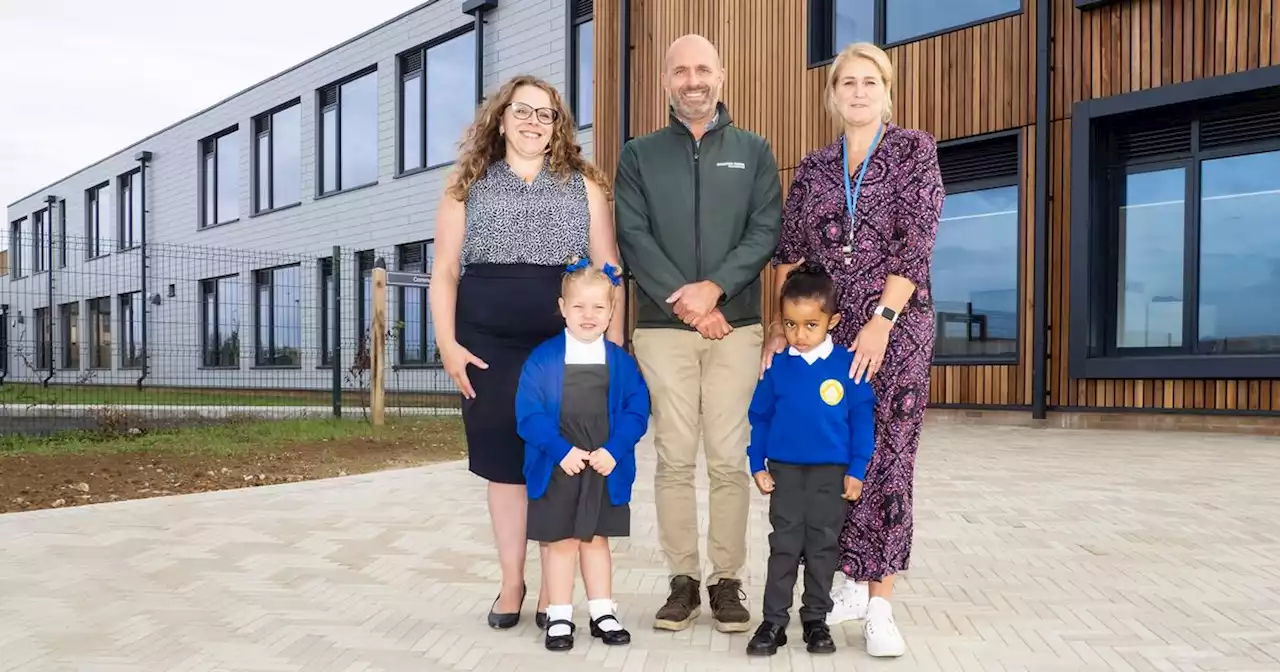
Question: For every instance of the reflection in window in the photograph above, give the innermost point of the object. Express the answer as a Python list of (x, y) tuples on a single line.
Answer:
[(1150, 273), (417, 342), (97, 222), (100, 333), (908, 19), (221, 184), (129, 225), (1240, 254), (349, 133), (277, 158), (582, 59), (278, 317), (451, 96), (220, 301), (39, 250), (975, 274), (18, 238), (131, 330), (855, 21)]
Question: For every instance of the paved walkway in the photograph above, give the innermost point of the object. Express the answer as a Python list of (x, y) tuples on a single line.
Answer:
[(1037, 550)]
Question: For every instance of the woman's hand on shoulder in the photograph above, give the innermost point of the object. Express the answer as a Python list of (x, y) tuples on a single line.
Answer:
[(456, 358), (775, 341)]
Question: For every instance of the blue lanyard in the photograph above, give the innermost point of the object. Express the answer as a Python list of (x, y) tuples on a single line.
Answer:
[(851, 199)]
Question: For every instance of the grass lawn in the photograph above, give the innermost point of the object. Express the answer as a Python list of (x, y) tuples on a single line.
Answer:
[(85, 467), (111, 395)]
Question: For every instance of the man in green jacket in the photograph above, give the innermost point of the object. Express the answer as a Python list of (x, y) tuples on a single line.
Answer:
[(699, 211)]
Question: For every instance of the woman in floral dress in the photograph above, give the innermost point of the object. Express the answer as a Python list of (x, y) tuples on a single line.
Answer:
[(889, 177)]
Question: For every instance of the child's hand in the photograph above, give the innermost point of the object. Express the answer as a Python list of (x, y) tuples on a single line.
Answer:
[(764, 481), (602, 461), (574, 462), (852, 488)]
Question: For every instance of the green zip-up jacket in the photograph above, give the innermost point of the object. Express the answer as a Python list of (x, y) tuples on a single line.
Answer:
[(688, 211)]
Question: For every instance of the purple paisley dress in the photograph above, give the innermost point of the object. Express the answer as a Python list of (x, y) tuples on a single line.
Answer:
[(897, 220)]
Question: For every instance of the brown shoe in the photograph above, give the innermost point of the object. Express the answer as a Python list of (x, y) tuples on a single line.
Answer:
[(684, 604), (726, 606)]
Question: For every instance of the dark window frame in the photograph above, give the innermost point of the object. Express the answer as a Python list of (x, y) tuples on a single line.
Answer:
[(576, 16), (268, 355), (95, 313), (127, 182), (426, 254), (212, 286), (318, 128), (999, 180), (820, 46), (1093, 227), (258, 165), (93, 248), (403, 74), (209, 149)]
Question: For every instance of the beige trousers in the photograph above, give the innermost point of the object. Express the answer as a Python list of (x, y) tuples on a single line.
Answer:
[(701, 388)]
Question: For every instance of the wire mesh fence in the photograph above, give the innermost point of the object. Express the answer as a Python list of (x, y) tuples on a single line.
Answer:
[(167, 333)]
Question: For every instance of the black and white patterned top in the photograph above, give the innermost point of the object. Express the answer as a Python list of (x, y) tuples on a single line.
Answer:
[(510, 221)]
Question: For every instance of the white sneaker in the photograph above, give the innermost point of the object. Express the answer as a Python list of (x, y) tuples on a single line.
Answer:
[(882, 635), (850, 602)]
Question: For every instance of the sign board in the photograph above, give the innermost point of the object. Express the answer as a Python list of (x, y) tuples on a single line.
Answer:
[(406, 279)]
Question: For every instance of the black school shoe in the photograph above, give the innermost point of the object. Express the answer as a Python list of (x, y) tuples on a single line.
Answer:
[(767, 639), (818, 637), (615, 638), (560, 642), (500, 621)]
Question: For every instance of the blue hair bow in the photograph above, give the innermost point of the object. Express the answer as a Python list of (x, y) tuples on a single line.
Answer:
[(577, 265), (613, 272)]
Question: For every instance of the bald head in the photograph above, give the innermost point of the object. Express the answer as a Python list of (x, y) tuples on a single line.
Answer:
[(693, 75)]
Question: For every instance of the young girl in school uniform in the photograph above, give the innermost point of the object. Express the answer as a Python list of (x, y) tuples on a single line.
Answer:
[(581, 406)]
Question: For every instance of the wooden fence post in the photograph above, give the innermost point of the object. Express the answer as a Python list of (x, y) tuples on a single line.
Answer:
[(378, 342)]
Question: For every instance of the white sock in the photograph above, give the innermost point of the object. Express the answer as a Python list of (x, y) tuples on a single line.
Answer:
[(879, 607), (603, 607), (559, 612)]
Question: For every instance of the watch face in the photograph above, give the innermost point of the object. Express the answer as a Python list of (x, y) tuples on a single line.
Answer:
[(888, 313)]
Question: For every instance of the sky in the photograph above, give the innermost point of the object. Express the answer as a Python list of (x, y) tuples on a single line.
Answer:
[(81, 80)]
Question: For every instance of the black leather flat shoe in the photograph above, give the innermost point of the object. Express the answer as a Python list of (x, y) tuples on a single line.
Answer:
[(818, 637), (499, 621), (767, 639), (560, 642), (615, 638), (541, 619)]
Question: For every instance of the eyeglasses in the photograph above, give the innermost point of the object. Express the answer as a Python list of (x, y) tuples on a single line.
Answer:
[(546, 115)]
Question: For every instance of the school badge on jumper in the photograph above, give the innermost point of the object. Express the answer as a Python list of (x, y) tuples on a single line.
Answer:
[(831, 391)]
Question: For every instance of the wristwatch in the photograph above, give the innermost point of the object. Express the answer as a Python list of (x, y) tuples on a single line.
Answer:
[(887, 313)]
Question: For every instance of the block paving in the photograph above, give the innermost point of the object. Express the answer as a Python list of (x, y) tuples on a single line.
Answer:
[(1036, 549)]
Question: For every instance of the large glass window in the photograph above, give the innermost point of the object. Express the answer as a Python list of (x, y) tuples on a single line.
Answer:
[(220, 322), (220, 178), (277, 163), (39, 244), (437, 100), (131, 330), (349, 133), (100, 333), (1149, 278), (19, 240), (835, 24), (278, 317), (97, 222), (69, 324), (582, 80)]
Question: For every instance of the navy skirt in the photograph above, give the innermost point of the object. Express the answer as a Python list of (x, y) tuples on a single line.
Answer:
[(504, 311)]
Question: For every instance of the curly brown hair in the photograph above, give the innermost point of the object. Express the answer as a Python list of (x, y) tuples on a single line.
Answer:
[(483, 144)]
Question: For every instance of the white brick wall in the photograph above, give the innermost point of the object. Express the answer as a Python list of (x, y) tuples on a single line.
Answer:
[(522, 36)]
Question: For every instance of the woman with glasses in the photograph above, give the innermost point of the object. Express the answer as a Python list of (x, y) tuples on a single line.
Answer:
[(520, 202)]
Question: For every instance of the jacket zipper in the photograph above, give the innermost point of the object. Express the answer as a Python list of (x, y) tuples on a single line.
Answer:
[(697, 209)]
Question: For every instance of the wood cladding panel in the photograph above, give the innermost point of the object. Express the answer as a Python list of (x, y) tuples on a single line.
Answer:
[(1141, 44), (950, 85)]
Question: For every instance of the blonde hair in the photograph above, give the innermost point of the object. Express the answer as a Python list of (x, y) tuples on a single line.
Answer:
[(872, 53), (586, 273), (484, 144)]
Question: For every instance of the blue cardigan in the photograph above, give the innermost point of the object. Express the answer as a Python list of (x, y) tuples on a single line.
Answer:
[(538, 416)]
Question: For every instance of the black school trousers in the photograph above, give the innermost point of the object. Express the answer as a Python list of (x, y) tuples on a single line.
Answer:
[(807, 511)]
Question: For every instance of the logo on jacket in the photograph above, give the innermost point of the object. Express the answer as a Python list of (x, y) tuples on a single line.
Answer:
[(831, 391), (732, 164)]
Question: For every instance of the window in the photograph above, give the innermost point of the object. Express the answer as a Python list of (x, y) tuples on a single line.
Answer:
[(1176, 269), (39, 245), (220, 322), (44, 338), (277, 158), (349, 133), (364, 296), (327, 289), (278, 311), (582, 77), (417, 342), (18, 241), (69, 323), (220, 178), (835, 24), (975, 262), (62, 233), (129, 222), (94, 223), (131, 330), (437, 100), (100, 333)]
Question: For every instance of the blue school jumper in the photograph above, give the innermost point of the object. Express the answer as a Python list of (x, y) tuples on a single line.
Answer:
[(538, 416), (812, 413)]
